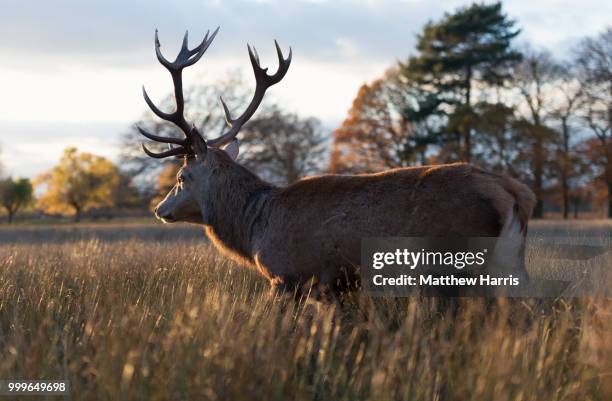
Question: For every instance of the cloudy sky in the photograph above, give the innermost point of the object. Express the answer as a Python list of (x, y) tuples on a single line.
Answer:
[(71, 71)]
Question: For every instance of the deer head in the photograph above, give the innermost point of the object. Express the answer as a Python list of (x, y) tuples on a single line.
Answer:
[(183, 202)]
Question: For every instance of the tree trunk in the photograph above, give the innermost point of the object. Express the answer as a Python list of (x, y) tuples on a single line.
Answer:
[(565, 168), (77, 214), (609, 197), (291, 175), (538, 172), (565, 192), (467, 129), (576, 207), (423, 157), (608, 175), (467, 145), (10, 216), (538, 210)]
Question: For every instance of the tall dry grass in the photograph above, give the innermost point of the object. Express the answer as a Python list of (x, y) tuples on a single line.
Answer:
[(134, 319)]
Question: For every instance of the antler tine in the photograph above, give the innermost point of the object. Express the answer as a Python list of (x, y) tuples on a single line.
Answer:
[(158, 53), (253, 55), (172, 152), (162, 139), (262, 82), (226, 112), (283, 64), (185, 38), (153, 107)]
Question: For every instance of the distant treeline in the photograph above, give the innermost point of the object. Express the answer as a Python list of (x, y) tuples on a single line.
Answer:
[(467, 93)]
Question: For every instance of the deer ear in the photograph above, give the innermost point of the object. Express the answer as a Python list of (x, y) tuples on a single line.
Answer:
[(232, 149)]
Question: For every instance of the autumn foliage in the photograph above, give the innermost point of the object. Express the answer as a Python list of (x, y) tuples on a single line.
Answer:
[(81, 181), (370, 137)]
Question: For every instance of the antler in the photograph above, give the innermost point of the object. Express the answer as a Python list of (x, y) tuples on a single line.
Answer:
[(263, 82), (185, 58)]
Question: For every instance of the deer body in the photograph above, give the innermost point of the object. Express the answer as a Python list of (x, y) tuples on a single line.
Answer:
[(312, 230)]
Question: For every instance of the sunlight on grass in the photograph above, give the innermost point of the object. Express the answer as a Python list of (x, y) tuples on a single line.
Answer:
[(141, 319)]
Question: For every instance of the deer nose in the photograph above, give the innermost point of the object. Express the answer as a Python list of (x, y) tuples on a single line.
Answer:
[(165, 216), (159, 215)]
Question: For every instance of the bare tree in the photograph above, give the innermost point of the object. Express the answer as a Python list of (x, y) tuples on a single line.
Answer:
[(534, 78), (594, 62), (568, 97), (281, 147)]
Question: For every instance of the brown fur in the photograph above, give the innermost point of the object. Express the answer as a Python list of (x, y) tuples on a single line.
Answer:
[(313, 228)]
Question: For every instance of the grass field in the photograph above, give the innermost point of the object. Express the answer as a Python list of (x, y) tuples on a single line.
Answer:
[(152, 312)]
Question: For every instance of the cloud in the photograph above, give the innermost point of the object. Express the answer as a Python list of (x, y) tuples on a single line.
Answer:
[(559, 24), (120, 32)]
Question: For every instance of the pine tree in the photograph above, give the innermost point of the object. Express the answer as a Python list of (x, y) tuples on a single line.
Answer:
[(464, 50)]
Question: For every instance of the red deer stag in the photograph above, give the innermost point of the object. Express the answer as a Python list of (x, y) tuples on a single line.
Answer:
[(311, 230)]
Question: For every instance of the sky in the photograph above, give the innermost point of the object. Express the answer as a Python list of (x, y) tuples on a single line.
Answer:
[(71, 71)]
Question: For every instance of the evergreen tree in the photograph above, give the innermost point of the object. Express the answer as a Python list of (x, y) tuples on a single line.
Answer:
[(467, 49)]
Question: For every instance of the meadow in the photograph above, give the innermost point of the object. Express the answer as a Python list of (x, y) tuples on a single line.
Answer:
[(151, 312)]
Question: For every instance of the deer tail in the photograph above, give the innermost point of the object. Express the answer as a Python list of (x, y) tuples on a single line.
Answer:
[(524, 198)]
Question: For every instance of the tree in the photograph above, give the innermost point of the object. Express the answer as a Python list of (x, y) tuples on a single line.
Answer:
[(588, 184), (282, 147), (468, 49), (372, 136), (594, 63), (494, 132), (15, 194), (535, 79), (79, 182), (566, 110), (126, 194)]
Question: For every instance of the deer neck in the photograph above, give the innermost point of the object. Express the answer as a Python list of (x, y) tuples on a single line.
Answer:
[(236, 210)]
